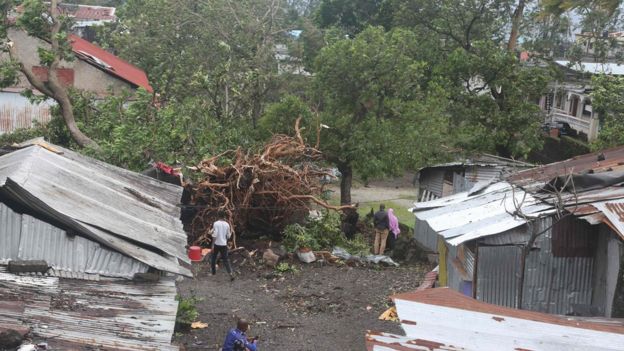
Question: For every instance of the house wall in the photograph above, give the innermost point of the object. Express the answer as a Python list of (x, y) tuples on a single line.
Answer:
[(426, 236), (27, 238), (606, 270), (559, 285), (432, 181), (86, 76), (499, 273)]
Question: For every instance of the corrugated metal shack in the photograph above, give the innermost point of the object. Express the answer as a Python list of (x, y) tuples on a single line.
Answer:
[(442, 319), (455, 177), (548, 239), (96, 226)]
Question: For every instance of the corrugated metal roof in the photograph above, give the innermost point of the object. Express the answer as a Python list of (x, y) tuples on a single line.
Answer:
[(613, 160), (614, 212), (445, 317), (465, 217), (107, 204), (71, 314), (593, 67), (484, 160)]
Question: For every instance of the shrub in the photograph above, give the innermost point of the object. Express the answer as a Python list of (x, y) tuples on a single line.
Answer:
[(187, 310), (284, 267), (323, 234)]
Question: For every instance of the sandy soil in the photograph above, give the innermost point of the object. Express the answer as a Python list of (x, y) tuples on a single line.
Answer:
[(399, 190), (318, 308)]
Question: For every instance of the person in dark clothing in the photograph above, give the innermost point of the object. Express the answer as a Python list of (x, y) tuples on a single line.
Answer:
[(236, 339), (349, 221), (380, 221)]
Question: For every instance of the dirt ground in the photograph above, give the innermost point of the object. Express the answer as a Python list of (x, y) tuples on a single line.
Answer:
[(317, 308)]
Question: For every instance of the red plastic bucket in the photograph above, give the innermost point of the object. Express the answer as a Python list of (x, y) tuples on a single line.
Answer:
[(195, 253)]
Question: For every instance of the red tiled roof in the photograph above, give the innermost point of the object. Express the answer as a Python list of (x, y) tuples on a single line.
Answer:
[(110, 63), (446, 297)]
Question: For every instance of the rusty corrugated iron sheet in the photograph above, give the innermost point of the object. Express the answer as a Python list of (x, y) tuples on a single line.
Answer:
[(13, 117), (72, 314), (614, 214), (552, 284), (600, 161)]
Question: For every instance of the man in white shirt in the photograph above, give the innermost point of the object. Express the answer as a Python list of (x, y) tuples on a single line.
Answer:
[(221, 233)]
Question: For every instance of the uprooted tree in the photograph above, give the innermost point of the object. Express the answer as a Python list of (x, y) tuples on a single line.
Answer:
[(261, 192)]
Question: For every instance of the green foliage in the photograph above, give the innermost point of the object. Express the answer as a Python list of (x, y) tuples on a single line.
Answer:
[(371, 92), (297, 236), (494, 107), (280, 118), (608, 101), (352, 15), (187, 309), (358, 246), (8, 73), (322, 234), (284, 267), (20, 135)]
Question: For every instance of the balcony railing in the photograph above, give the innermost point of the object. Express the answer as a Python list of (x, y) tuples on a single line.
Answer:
[(584, 124)]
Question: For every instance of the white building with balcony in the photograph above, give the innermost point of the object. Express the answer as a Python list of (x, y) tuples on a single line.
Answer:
[(570, 101)]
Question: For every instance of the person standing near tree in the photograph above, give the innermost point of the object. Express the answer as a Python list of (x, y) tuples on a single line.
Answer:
[(380, 221), (221, 233), (393, 226)]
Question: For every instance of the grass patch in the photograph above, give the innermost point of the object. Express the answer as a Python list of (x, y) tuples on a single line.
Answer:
[(405, 217)]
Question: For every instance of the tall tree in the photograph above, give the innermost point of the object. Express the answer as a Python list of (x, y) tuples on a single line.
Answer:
[(222, 51), (44, 22), (379, 119)]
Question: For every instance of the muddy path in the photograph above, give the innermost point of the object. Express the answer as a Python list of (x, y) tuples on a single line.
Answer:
[(316, 308)]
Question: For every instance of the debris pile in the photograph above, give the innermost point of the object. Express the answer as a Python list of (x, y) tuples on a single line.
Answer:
[(259, 192)]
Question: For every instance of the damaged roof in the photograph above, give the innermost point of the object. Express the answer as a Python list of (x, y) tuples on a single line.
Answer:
[(484, 160), (589, 186), (109, 63), (125, 211), (71, 314), (596, 162), (443, 319)]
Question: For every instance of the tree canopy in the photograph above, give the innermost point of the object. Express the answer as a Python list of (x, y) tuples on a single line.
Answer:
[(389, 84)]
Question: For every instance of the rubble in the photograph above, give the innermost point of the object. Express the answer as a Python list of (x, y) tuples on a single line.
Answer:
[(270, 258)]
